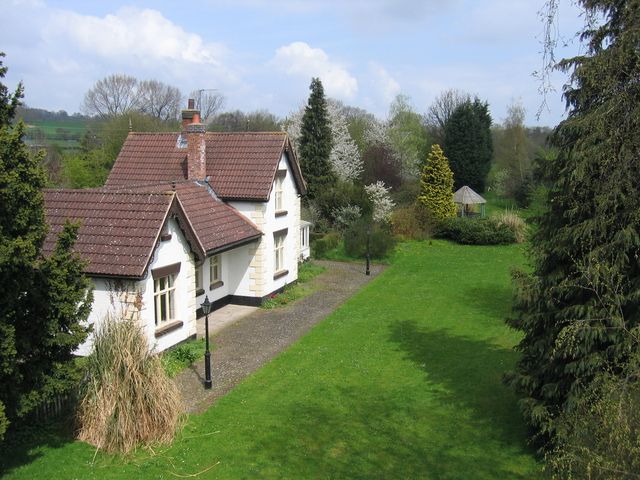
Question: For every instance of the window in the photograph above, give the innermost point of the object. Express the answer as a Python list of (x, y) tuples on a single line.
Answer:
[(215, 270), (164, 298), (278, 240), (279, 192), (304, 236), (199, 289)]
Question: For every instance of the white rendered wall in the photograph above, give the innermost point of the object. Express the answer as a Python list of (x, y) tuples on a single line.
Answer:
[(120, 298), (234, 266), (175, 250), (262, 267)]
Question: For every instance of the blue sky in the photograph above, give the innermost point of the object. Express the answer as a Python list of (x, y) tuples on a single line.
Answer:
[(262, 54)]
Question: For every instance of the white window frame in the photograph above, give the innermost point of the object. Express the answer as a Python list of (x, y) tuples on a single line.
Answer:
[(164, 289), (215, 269), (278, 251), (279, 192)]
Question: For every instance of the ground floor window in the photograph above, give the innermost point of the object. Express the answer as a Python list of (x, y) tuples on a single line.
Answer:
[(164, 298), (278, 240), (215, 270), (198, 278)]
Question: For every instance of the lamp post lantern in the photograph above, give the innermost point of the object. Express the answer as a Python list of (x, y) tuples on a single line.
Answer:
[(206, 308)]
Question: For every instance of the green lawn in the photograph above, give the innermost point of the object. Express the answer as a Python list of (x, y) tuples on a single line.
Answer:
[(403, 381)]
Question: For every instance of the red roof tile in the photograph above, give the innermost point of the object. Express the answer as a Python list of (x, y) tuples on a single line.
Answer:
[(216, 224), (118, 230), (241, 166), (120, 226)]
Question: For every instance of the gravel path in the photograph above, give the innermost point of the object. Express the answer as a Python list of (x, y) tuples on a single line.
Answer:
[(246, 345)]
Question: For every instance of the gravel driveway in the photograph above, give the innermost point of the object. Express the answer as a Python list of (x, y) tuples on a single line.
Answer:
[(246, 345)]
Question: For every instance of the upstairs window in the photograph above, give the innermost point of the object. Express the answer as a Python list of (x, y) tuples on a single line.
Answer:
[(279, 193)]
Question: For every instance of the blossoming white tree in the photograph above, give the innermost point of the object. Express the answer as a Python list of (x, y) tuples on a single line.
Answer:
[(345, 157), (381, 200)]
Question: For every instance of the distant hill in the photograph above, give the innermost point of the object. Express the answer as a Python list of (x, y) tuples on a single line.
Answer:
[(45, 127)]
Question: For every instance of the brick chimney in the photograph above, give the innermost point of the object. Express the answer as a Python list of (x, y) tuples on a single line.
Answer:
[(194, 132)]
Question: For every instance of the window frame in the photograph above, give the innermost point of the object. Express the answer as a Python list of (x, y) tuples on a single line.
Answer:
[(215, 261), (279, 239), (199, 279), (164, 296), (278, 189)]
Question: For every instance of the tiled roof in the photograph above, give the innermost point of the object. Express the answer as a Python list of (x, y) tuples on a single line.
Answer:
[(148, 158), (120, 226), (216, 224), (118, 230), (241, 165)]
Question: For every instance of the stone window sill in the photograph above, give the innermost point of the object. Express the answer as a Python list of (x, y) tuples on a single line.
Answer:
[(215, 285), (199, 292), (281, 213), (168, 328), (280, 274)]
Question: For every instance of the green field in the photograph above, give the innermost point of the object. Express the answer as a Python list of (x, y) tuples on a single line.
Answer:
[(65, 133), (402, 381)]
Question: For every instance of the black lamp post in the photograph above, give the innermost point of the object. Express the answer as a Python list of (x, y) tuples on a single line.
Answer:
[(206, 308), (368, 272)]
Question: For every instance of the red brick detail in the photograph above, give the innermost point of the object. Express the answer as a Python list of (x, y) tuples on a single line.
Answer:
[(196, 152)]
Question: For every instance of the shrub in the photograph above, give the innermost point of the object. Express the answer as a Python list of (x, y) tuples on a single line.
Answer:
[(328, 242), (515, 223), (475, 231), (128, 399), (345, 216), (181, 356), (412, 222), (381, 241)]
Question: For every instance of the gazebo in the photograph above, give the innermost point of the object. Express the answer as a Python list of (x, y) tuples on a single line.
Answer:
[(465, 197)]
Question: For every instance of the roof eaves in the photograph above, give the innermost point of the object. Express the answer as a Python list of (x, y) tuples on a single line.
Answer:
[(236, 244), (158, 233)]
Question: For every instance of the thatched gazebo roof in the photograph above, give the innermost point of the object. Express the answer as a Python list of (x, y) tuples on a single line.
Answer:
[(465, 196)]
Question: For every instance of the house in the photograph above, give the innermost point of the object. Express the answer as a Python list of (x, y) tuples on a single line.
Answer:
[(183, 216)]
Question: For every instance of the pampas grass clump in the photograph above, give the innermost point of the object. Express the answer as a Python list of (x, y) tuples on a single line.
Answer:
[(515, 223), (128, 399)]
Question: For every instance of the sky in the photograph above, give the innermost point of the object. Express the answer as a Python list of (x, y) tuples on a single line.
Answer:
[(262, 54)]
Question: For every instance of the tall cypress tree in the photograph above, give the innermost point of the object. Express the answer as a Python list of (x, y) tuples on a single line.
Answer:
[(580, 308), (315, 142), (44, 301), (468, 144)]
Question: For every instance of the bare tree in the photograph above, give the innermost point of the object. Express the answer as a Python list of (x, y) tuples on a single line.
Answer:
[(159, 100), (209, 102), (442, 108), (113, 95)]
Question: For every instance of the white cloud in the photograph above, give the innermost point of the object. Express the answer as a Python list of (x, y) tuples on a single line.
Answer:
[(298, 58), (133, 33), (384, 82)]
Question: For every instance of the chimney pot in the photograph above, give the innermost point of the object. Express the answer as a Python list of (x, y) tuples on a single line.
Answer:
[(191, 104)]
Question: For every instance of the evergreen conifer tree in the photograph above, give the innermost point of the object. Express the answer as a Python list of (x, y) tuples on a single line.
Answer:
[(468, 144), (579, 310), (44, 301), (436, 185), (315, 142)]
